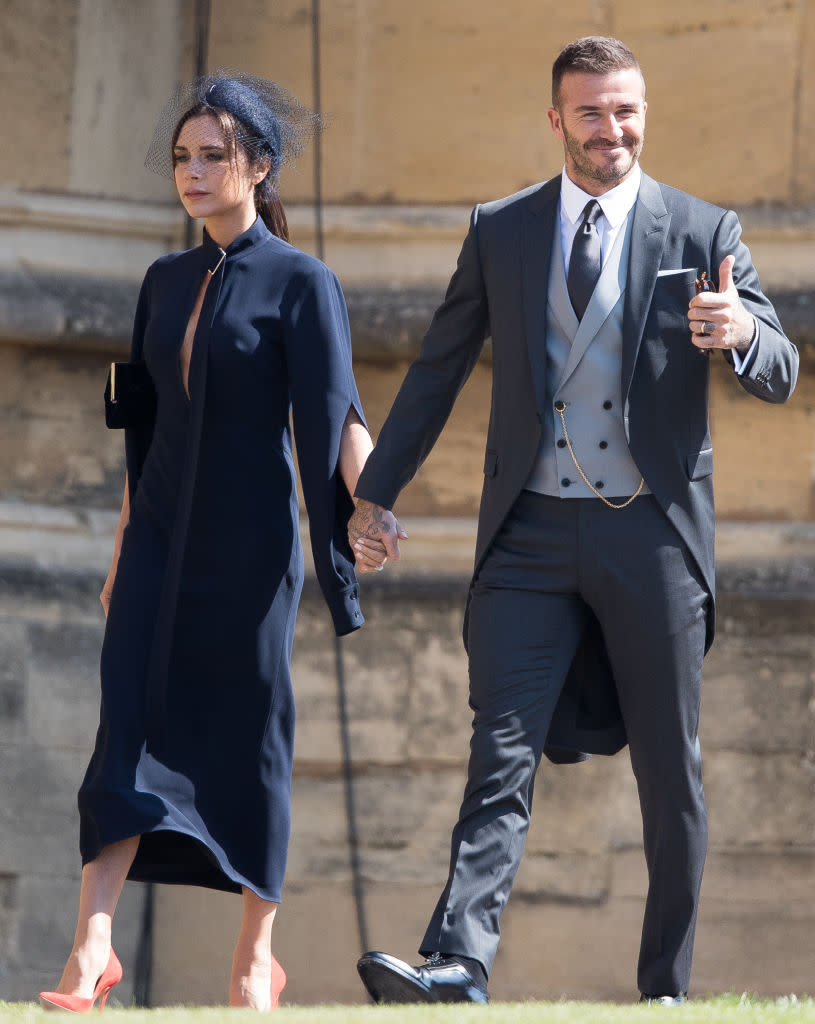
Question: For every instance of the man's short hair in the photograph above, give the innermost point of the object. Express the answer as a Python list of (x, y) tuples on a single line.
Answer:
[(593, 55)]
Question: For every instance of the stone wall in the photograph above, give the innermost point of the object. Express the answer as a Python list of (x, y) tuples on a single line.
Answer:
[(572, 927)]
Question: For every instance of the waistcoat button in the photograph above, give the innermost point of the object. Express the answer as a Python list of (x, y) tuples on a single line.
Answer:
[(606, 404), (603, 444), (565, 481), (561, 443), (560, 405)]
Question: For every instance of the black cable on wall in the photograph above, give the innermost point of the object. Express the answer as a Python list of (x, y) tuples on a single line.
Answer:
[(342, 689)]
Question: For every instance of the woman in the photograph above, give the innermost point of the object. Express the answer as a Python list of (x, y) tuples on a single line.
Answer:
[(190, 779)]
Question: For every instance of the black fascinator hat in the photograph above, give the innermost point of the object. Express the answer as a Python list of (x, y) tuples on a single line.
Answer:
[(270, 121)]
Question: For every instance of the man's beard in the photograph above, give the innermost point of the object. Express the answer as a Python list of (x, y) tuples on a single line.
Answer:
[(578, 151)]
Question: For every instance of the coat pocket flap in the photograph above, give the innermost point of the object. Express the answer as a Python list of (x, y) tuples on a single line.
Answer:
[(700, 464), (490, 463)]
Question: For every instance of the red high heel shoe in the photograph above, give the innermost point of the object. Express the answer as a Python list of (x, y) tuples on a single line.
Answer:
[(111, 976), (278, 982)]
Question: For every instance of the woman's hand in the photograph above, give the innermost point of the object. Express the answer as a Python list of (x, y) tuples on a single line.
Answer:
[(370, 555)]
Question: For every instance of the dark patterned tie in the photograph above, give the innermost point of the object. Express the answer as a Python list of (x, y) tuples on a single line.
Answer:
[(585, 263)]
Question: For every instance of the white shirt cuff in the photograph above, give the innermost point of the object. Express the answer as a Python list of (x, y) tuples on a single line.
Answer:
[(741, 362)]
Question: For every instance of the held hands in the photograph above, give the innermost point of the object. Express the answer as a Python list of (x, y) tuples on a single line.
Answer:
[(374, 534), (718, 319)]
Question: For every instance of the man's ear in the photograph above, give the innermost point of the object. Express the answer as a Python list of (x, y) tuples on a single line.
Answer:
[(555, 122)]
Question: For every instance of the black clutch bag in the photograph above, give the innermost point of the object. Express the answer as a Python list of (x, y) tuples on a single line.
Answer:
[(130, 396)]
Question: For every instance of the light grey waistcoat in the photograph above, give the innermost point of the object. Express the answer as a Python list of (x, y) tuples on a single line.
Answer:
[(583, 360)]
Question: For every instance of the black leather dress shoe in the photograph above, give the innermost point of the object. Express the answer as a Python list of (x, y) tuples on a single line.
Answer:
[(664, 1000), (441, 980)]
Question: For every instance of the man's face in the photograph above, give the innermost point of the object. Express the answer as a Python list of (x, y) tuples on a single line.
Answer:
[(601, 122)]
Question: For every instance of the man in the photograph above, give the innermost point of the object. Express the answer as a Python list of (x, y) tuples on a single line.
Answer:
[(591, 606)]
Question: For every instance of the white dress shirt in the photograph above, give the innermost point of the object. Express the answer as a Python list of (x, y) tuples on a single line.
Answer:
[(616, 204)]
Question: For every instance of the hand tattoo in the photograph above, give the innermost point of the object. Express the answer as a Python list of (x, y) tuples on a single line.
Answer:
[(370, 521)]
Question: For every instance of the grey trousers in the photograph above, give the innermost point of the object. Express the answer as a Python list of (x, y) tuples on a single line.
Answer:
[(553, 562)]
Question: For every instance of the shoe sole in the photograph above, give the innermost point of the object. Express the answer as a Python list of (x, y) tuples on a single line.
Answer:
[(388, 982)]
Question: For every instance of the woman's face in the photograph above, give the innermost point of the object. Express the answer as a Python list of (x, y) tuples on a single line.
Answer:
[(210, 182)]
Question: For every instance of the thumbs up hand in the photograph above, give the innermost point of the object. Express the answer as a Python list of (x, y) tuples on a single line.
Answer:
[(718, 319)]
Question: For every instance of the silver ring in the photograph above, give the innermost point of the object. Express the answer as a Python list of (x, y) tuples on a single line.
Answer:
[(379, 568), (708, 327)]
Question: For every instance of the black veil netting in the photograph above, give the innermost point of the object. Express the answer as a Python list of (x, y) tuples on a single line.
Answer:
[(271, 121)]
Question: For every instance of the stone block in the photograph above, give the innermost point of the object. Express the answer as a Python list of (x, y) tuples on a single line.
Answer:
[(13, 651), (560, 951), (577, 952), (404, 821), (38, 818), (756, 950), (36, 34), (315, 684), (582, 878), (29, 594), (759, 695), (376, 693), (194, 933), (53, 443), (439, 718), (767, 613), (629, 875), (760, 800), (777, 881), (316, 939), (9, 920), (406, 683), (804, 154), (749, 433), (127, 65), (729, 163), (589, 807), (64, 689)]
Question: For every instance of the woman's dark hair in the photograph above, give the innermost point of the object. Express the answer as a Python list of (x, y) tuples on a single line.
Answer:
[(593, 55), (236, 133)]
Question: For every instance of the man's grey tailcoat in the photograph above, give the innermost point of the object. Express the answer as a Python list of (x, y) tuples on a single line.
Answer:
[(499, 290)]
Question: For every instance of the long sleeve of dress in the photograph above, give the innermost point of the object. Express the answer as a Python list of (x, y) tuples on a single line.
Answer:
[(322, 388)]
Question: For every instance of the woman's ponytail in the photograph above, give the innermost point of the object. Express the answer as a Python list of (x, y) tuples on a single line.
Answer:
[(270, 208)]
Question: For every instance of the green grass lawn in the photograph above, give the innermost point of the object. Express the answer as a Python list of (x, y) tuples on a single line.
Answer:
[(726, 1009)]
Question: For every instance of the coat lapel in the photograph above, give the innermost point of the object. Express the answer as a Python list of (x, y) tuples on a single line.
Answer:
[(648, 236), (539, 224), (609, 288)]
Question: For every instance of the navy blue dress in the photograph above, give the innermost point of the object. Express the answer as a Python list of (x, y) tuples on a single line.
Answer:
[(194, 748)]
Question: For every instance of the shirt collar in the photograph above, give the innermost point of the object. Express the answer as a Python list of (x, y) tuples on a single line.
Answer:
[(615, 204)]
